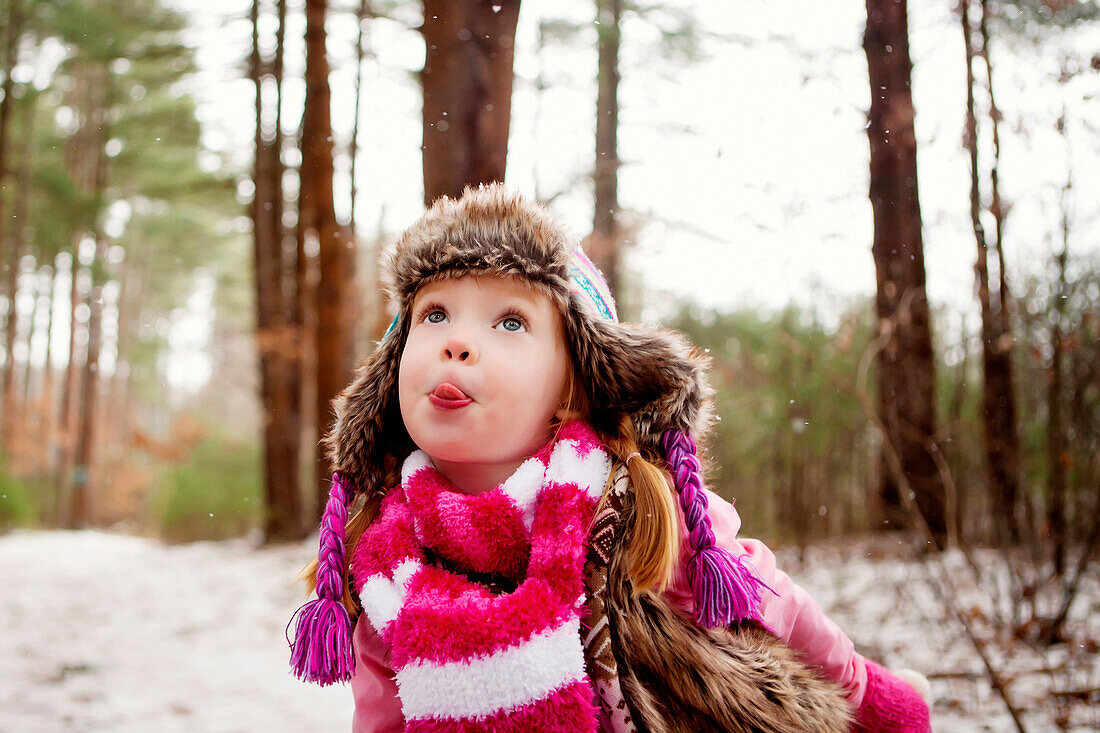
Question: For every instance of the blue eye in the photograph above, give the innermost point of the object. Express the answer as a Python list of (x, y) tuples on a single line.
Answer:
[(512, 324)]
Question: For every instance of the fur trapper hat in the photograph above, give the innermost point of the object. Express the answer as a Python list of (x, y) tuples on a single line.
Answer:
[(654, 375)]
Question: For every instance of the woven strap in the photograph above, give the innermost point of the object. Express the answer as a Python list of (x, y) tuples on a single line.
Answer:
[(595, 628)]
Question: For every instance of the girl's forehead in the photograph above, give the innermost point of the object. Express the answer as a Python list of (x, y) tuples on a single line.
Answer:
[(495, 285)]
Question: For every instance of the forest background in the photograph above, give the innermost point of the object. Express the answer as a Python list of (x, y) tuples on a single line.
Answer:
[(192, 202)]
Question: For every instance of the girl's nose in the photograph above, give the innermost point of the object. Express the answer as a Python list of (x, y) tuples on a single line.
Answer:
[(459, 348)]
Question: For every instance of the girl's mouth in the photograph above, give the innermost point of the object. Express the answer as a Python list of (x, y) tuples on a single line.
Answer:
[(449, 397)]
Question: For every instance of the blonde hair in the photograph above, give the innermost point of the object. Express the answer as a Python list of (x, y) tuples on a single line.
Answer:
[(655, 541)]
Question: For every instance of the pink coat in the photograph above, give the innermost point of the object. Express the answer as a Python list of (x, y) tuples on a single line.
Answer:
[(792, 614)]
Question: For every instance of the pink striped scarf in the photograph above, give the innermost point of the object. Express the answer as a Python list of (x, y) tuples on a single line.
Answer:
[(467, 658)]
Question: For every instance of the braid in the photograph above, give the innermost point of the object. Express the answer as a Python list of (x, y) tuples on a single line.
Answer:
[(684, 466), (321, 651), (330, 558), (726, 588)]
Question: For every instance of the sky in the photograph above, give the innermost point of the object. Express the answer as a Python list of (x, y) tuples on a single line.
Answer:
[(744, 173)]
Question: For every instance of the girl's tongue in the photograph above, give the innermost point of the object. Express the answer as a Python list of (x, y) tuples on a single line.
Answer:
[(448, 391)]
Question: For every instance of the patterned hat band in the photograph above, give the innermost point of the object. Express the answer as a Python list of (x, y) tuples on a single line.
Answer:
[(590, 287), (586, 282)]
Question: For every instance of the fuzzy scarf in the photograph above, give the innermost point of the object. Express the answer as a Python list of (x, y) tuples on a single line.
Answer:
[(480, 597)]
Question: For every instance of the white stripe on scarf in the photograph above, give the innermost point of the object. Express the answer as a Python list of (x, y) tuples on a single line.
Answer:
[(504, 680)]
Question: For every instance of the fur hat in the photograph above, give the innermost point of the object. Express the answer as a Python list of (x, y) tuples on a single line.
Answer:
[(651, 374)]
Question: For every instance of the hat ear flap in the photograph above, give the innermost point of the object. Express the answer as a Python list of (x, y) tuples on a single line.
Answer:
[(368, 426), (652, 374)]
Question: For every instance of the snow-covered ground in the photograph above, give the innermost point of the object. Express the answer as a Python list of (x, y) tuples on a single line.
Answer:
[(106, 632)]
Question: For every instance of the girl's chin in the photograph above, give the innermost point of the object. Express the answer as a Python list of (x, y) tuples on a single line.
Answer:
[(462, 449), (454, 448)]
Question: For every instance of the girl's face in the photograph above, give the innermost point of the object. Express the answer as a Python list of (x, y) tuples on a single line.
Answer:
[(483, 372)]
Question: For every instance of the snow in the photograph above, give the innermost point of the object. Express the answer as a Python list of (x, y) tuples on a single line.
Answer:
[(112, 632), (105, 632)]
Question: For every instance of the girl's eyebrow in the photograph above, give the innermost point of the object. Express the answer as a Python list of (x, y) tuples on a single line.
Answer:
[(529, 296)]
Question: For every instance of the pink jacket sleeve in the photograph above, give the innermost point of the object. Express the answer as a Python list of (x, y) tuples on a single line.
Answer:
[(377, 707), (790, 612)]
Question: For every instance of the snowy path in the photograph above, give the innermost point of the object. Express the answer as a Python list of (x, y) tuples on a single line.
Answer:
[(105, 632)]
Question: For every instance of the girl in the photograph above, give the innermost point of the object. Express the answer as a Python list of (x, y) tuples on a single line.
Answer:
[(533, 547)]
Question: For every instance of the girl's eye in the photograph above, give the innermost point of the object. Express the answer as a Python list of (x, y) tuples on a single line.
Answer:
[(513, 324), (435, 316)]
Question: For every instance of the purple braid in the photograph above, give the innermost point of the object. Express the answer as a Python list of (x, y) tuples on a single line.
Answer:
[(321, 651), (726, 589)]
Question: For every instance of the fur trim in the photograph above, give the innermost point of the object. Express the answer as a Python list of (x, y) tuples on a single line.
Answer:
[(368, 438), (651, 373), (679, 677)]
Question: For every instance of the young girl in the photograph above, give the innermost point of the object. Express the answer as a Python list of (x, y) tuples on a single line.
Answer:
[(533, 548)]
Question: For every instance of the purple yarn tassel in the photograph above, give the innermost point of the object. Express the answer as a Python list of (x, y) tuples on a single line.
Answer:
[(726, 589), (321, 651)]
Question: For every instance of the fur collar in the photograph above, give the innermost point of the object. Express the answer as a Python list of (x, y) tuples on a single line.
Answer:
[(676, 676), (673, 676)]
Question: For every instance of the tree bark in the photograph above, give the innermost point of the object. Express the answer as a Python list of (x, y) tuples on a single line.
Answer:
[(317, 217), (20, 215), (47, 372), (353, 146), (11, 333), (81, 160), (1056, 458), (277, 340), (84, 455), (9, 251), (604, 244), (80, 514), (906, 370), (1008, 432), (998, 401), (63, 447), (68, 386), (293, 289), (467, 82)]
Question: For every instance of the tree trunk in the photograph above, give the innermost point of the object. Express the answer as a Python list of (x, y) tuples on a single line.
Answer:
[(1056, 458), (317, 218), (9, 251), (956, 506), (292, 289), (998, 402), (353, 146), (467, 81), (1008, 433), (83, 486), (63, 448), (8, 406), (996, 206), (906, 371), (26, 379), (47, 400), (277, 340), (81, 156), (20, 215), (604, 244), (84, 454)]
